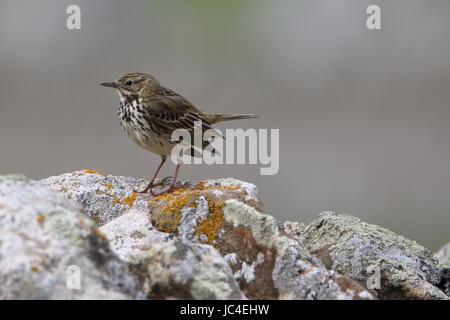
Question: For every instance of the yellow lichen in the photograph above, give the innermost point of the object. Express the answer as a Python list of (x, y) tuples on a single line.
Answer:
[(41, 218), (130, 200), (94, 172), (174, 203), (109, 186), (211, 226), (34, 269)]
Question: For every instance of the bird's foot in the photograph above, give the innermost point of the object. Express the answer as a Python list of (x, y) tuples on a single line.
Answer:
[(152, 185), (172, 188)]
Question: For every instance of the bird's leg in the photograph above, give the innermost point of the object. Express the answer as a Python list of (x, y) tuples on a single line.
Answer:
[(173, 186), (151, 184)]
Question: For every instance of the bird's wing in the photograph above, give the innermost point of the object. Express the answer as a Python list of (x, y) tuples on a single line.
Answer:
[(169, 111)]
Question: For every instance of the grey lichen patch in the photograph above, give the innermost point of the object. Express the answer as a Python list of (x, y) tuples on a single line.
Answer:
[(355, 247), (42, 235), (264, 227), (223, 182), (315, 283), (231, 258), (247, 271), (294, 228), (181, 269), (71, 231), (191, 218), (295, 273), (13, 177), (250, 188), (132, 233), (334, 227), (443, 255)]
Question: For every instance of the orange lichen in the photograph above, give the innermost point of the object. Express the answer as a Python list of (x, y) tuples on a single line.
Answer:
[(94, 172), (109, 186), (173, 203), (201, 185), (99, 234), (231, 188), (211, 226), (41, 218), (130, 200)]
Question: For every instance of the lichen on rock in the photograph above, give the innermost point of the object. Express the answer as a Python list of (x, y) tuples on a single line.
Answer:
[(103, 197), (185, 270), (286, 268), (43, 236), (443, 255), (206, 240), (354, 248)]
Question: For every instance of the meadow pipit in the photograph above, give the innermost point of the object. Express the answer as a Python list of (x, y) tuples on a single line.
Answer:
[(149, 113)]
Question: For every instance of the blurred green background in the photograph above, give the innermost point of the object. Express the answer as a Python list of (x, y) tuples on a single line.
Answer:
[(363, 115)]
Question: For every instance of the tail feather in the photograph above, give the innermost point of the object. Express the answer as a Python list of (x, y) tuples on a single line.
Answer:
[(228, 117)]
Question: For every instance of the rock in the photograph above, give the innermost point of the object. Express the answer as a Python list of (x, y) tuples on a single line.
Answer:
[(355, 249), (212, 240), (169, 267), (267, 264), (445, 280), (45, 241), (102, 197), (443, 255), (131, 234), (183, 270), (272, 264), (294, 228), (211, 217)]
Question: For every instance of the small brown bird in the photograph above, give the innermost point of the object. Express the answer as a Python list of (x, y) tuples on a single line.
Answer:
[(149, 113)]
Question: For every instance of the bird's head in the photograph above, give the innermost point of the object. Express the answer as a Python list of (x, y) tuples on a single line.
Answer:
[(133, 85)]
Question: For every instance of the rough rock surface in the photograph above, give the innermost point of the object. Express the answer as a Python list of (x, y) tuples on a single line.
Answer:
[(103, 197), (355, 249), (41, 236), (181, 269), (223, 219), (207, 240), (170, 267), (443, 255)]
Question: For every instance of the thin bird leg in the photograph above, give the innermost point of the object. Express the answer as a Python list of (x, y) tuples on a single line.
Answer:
[(173, 186), (151, 184)]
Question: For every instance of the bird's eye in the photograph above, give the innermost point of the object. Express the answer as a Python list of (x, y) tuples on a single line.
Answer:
[(129, 83)]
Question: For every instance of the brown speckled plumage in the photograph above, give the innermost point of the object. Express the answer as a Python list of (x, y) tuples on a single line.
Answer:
[(149, 113)]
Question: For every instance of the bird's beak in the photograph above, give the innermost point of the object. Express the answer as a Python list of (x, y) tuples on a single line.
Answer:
[(109, 84)]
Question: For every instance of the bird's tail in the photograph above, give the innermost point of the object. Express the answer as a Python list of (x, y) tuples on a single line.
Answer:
[(228, 117)]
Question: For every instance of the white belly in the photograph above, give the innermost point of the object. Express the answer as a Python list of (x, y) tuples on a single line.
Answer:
[(146, 139)]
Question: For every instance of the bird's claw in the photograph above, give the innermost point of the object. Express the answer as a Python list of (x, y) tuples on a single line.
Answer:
[(164, 180), (149, 188), (169, 190)]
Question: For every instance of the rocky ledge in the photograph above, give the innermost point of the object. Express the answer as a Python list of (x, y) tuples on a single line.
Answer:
[(86, 235)]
